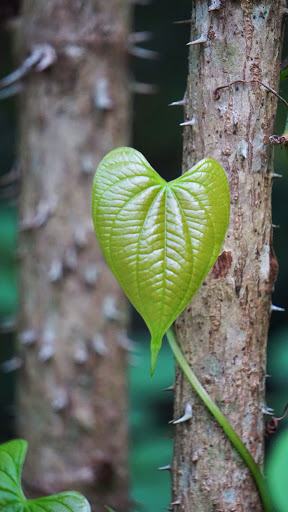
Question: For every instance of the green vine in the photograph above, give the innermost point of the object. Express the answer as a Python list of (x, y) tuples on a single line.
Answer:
[(222, 420)]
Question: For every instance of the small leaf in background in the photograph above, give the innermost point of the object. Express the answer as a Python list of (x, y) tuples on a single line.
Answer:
[(277, 472), (109, 509), (160, 239), (284, 74), (12, 499)]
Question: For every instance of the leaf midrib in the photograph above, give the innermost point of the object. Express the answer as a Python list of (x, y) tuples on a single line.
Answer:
[(193, 258)]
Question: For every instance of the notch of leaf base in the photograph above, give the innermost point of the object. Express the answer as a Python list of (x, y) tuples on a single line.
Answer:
[(12, 499)]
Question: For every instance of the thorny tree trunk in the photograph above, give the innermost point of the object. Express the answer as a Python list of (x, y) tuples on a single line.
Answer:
[(224, 331), (72, 387)]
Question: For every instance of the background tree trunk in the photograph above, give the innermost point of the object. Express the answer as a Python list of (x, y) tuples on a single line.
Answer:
[(224, 331), (72, 387)]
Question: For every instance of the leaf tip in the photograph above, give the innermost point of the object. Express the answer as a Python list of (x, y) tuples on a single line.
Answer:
[(155, 347)]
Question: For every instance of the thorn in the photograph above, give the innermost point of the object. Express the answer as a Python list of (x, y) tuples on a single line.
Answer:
[(87, 164), (81, 355), (195, 456), (187, 415), (47, 348), (177, 502), (11, 365), (101, 95), (74, 51), (140, 37), (285, 12), (276, 308), (91, 275), (47, 56), (191, 122), (165, 468), (216, 6), (12, 177), (200, 40), (70, 261), (99, 345), (41, 57), (28, 337), (60, 401), (275, 226), (46, 352), (268, 411), (275, 175), (171, 388), (183, 22), (124, 341), (143, 53), (110, 308), (56, 271), (12, 90), (267, 375), (141, 88), (168, 508), (80, 237), (7, 324), (38, 219), (45, 209), (179, 103)]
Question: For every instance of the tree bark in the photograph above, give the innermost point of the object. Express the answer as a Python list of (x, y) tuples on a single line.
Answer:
[(72, 387), (224, 331)]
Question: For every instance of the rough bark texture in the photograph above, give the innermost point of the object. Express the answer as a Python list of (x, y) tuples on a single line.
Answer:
[(72, 387), (224, 331)]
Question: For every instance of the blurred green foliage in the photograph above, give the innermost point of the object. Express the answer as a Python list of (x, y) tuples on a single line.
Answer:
[(150, 411), (8, 283), (277, 473)]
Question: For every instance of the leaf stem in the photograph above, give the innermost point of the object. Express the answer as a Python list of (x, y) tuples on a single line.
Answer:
[(222, 420)]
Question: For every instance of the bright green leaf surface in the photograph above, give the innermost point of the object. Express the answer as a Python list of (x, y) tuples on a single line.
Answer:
[(12, 499), (160, 239)]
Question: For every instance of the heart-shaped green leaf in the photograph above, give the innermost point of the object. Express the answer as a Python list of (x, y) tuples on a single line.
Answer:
[(12, 499), (160, 239)]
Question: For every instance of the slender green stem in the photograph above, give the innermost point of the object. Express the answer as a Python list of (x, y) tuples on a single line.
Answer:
[(222, 420)]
